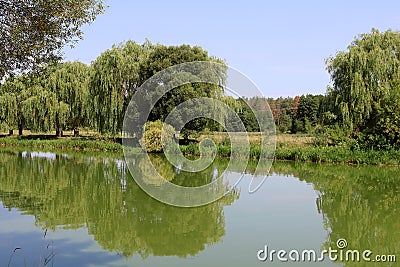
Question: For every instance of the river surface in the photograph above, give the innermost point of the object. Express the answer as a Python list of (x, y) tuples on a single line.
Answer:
[(86, 210)]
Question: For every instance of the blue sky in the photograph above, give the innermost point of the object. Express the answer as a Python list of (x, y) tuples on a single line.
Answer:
[(280, 45)]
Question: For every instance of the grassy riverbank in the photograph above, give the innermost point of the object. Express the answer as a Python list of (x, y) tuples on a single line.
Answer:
[(339, 155), (63, 144), (293, 148), (312, 154)]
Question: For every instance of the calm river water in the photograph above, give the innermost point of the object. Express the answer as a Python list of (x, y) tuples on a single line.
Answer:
[(86, 210)]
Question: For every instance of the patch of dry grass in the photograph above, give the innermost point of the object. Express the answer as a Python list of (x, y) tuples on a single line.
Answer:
[(292, 140)]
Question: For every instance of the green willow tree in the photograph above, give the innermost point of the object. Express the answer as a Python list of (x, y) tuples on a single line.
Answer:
[(15, 91), (26, 103), (39, 109), (114, 77), (365, 96), (71, 95), (69, 82), (8, 108)]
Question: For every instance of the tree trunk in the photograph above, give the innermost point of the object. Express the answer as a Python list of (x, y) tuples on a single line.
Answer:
[(59, 133), (76, 133), (20, 130), (10, 132)]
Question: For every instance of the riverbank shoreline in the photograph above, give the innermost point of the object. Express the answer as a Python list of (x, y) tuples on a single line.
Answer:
[(283, 152)]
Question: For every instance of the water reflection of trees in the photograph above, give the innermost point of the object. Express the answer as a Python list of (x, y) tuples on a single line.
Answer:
[(360, 204), (98, 193)]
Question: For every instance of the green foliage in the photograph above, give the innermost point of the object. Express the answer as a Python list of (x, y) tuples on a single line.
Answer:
[(299, 114), (118, 72), (283, 110), (365, 96), (107, 90), (8, 108), (39, 109), (154, 136), (337, 154), (71, 95), (55, 99), (46, 27), (64, 144), (307, 114), (192, 149), (69, 82), (224, 150), (17, 96), (346, 152), (360, 111), (161, 57), (247, 116), (333, 135)]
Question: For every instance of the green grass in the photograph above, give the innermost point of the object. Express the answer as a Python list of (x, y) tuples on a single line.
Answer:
[(284, 151), (339, 155), (63, 144), (328, 154)]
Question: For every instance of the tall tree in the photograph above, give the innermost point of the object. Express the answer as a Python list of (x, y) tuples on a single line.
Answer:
[(28, 104), (69, 81), (365, 96), (8, 107), (114, 78), (33, 33), (39, 108), (247, 116), (14, 92), (307, 113), (162, 57), (287, 112)]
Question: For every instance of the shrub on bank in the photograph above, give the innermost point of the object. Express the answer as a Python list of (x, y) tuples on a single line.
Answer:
[(153, 138)]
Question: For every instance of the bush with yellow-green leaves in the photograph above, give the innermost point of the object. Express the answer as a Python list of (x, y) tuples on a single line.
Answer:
[(151, 140)]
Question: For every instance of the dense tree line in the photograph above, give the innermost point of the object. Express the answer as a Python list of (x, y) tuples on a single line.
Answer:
[(360, 108), (291, 114), (72, 95), (54, 100)]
